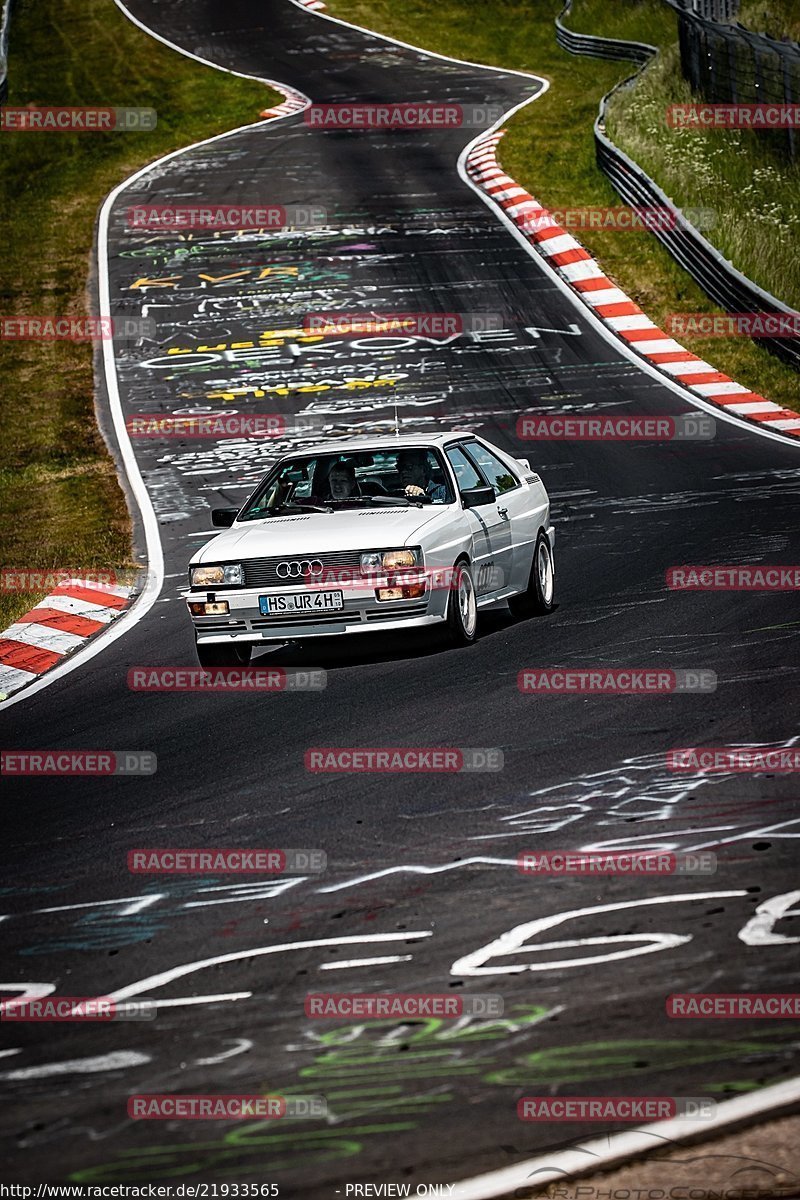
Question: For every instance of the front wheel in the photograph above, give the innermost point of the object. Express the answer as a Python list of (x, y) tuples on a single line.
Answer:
[(223, 654), (539, 596), (462, 607)]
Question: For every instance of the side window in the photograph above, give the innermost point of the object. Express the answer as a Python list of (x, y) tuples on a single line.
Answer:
[(466, 474), (440, 481), (498, 474)]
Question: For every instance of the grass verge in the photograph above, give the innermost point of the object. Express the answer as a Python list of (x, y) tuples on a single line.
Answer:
[(777, 18), (61, 501), (740, 175), (549, 146)]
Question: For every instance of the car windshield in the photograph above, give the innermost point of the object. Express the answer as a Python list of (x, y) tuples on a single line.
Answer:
[(408, 475)]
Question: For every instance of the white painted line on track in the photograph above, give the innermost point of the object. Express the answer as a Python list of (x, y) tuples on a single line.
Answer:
[(155, 554), (117, 1060), (603, 1152), (365, 962)]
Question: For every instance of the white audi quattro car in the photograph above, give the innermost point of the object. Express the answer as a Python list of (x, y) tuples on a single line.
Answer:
[(374, 534)]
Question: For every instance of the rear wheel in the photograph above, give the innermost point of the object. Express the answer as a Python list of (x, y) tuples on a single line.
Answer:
[(462, 607), (223, 654), (539, 596)]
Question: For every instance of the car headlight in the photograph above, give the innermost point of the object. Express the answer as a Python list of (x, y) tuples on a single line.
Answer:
[(216, 576), (390, 560), (393, 559)]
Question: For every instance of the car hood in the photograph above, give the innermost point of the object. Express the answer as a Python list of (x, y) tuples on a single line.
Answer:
[(365, 529)]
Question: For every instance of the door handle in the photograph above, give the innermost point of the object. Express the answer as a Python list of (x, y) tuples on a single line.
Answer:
[(503, 512)]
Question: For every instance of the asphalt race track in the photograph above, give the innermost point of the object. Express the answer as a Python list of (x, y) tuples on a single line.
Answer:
[(421, 869)]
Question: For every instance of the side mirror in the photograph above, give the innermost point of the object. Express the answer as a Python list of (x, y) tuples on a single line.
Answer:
[(476, 496), (525, 462), (223, 517)]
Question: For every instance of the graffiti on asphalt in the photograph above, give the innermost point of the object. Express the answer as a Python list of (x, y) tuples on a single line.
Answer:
[(364, 1071)]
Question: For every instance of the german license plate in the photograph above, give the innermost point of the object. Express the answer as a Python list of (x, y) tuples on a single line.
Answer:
[(300, 602)]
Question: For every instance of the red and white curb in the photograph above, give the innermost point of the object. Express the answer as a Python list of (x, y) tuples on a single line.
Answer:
[(295, 102), (314, 5), (575, 265), (60, 624)]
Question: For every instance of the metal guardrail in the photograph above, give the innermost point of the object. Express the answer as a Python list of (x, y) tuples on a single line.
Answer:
[(726, 286), (5, 23), (721, 281), (597, 47)]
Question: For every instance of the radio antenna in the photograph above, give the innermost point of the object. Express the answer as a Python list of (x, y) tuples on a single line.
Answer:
[(396, 422)]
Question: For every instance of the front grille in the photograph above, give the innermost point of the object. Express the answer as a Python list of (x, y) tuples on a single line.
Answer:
[(263, 572), (303, 619), (393, 609), (220, 626)]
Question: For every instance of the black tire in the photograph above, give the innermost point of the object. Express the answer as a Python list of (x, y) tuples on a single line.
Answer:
[(539, 596), (462, 607), (223, 654)]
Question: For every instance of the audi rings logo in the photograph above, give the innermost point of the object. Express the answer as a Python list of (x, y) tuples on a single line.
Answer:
[(302, 568)]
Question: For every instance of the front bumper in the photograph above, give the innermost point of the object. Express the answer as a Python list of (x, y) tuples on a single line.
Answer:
[(362, 613)]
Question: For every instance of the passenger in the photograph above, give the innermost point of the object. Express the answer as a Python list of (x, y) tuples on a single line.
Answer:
[(342, 481), (413, 467)]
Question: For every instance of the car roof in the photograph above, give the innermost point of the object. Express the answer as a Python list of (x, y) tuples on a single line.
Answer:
[(382, 442)]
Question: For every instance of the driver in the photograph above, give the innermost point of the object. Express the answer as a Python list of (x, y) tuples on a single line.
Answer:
[(413, 467)]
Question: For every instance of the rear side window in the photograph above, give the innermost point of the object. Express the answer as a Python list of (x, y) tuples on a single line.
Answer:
[(498, 474), (466, 475)]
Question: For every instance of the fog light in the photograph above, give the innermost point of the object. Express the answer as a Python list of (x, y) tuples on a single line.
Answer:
[(203, 608), (405, 591)]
